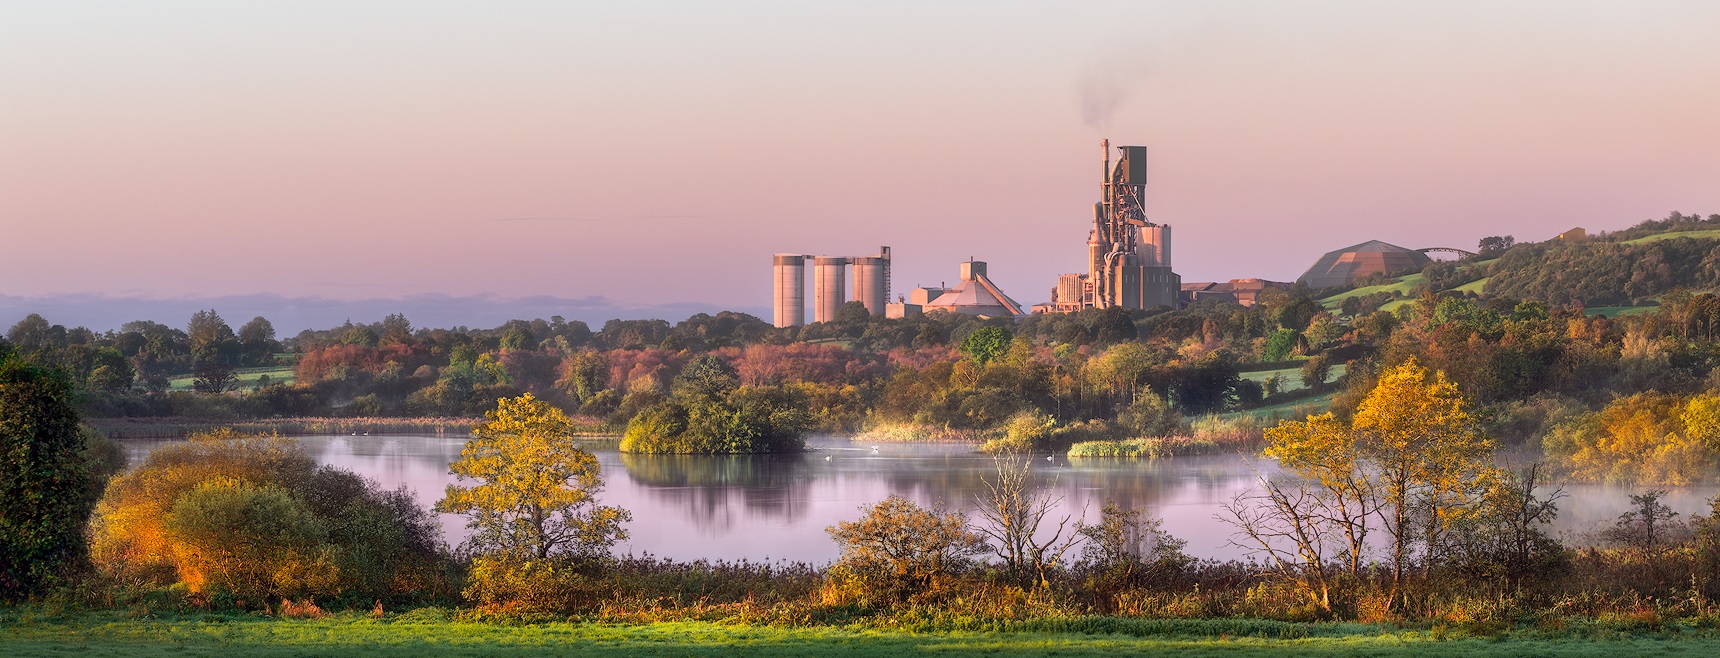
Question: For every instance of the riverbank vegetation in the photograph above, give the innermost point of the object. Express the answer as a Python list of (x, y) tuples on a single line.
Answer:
[(1399, 517)]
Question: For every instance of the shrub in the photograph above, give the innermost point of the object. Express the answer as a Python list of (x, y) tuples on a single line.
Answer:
[(253, 542), (898, 548), (44, 481), (254, 517)]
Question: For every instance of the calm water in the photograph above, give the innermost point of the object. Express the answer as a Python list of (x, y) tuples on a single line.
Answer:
[(777, 506)]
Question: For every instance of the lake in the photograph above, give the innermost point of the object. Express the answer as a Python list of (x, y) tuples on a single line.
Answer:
[(776, 507)]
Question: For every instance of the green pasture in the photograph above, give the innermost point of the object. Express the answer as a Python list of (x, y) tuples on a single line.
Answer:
[(1473, 286), (1317, 404), (1705, 234), (1403, 285), (1290, 379), (409, 635), (247, 377)]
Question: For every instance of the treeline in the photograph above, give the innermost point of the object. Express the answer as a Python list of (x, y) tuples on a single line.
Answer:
[(944, 371)]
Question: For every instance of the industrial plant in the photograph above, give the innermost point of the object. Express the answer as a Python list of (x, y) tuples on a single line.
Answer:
[(1128, 266), (871, 285), (1128, 256)]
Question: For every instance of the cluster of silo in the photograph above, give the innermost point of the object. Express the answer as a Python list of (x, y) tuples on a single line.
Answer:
[(829, 274)]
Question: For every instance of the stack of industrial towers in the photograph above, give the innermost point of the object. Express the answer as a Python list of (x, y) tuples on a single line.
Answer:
[(1128, 257), (871, 285)]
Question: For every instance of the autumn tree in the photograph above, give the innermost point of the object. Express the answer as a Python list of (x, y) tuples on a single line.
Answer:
[(535, 491), (1412, 456), (897, 547), (1424, 446), (1323, 451)]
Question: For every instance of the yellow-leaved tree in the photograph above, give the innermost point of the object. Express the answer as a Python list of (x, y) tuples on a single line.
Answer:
[(1427, 454), (1413, 456), (535, 490)]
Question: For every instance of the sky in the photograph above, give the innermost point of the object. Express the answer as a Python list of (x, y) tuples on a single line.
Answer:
[(654, 155)]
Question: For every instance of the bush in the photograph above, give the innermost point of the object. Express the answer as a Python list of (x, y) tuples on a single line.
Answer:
[(44, 480), (252, 542), (897, 549), (230, 515)]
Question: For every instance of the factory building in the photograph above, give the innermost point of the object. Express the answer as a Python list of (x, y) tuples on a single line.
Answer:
[(1355, 262), (1128, 257), (975, 294), (829, 276)]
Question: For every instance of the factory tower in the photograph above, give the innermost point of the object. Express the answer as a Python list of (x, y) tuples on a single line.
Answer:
[(1128, 257)]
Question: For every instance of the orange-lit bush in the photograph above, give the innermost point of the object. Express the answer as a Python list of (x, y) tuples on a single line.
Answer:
[(253, 518)]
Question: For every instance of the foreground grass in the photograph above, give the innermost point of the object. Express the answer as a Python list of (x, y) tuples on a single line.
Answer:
[(423, 636)]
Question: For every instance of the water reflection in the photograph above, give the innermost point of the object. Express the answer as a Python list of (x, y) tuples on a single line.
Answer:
[(777, 506)]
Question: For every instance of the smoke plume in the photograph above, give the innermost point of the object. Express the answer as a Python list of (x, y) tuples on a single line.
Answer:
[(1106, 87)]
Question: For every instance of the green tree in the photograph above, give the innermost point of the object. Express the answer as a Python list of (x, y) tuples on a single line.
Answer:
[(584, 375), (43, 477), (986, 343), (1315, 371), (248, 541), (257, 341), (396, 329), (707, 377), (535, 491), (211, 339)]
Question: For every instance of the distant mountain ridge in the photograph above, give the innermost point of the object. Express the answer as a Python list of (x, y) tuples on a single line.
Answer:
[(293, 314)]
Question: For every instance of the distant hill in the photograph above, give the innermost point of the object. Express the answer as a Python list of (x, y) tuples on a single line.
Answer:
[(1608, 272), (291, 314)]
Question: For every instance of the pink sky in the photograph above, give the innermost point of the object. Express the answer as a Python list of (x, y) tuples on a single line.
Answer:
[(662, 152)]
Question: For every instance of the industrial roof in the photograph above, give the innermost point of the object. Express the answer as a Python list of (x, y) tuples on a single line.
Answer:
[(975, 296), (1345, 266)]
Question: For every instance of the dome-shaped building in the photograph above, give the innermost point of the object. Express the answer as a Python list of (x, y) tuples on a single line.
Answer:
[(1345, 266)]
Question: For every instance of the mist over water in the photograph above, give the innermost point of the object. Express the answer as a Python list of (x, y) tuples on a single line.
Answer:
[(777, 506)]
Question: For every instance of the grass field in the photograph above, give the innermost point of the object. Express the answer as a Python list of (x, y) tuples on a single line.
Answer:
[(1290, 379), (1316, 404), (415, 636), (1473, 286), (1705, 234), (247, 377), (1403, 284)]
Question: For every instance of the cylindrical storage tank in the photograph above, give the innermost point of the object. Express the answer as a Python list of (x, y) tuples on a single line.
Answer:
[(789, 302), (827, 294), (1156, 245), (871, 276)]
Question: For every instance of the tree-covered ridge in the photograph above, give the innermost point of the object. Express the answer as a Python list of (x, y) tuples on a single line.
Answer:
[(1605, 272)]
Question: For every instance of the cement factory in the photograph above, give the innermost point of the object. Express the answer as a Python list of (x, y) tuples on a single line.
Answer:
[(1128, 266)]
